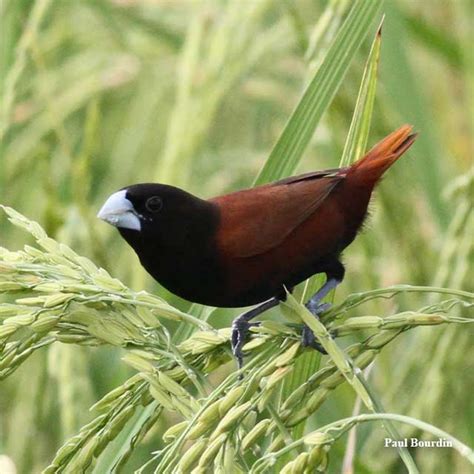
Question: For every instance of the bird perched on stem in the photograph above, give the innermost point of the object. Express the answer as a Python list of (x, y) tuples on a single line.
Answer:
[(247, 247)]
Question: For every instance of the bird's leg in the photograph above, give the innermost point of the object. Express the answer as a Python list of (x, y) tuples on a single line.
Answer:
[(314, 304), (241, 325), (335, 275)]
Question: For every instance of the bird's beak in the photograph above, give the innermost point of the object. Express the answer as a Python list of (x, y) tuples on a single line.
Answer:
[(119, 212)]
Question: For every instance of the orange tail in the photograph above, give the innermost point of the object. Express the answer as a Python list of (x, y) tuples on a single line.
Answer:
[(370, 168)]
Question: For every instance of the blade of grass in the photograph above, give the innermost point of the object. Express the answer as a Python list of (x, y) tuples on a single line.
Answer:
[(324, 31), (358, 135), (300, 127)]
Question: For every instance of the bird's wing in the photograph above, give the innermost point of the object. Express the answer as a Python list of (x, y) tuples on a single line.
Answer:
[(256, 220)]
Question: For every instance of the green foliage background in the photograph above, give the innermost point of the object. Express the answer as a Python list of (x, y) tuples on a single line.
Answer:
[(100, 94)]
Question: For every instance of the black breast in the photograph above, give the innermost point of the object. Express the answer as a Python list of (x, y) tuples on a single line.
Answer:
[(179, 251)]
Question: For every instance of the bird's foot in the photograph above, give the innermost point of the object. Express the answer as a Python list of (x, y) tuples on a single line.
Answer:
[(316, 308), (240, 329), (309, 340), (307, 336)]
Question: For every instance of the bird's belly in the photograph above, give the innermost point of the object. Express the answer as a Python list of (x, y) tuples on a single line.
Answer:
[(307, 251), (206, 284), (254, 282), (196, 281)]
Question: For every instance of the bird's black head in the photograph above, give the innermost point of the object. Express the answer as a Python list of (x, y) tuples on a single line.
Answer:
[(157, 211)]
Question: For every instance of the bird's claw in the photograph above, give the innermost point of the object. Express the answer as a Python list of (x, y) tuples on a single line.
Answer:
[(309, 340), (240, 328)]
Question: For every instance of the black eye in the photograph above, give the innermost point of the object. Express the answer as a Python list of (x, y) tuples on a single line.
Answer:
[(154, 204)]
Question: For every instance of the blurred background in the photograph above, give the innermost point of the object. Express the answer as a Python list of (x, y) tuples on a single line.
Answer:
[(99, 94)]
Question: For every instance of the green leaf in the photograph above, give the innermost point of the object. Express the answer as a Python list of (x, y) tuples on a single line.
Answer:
[(356, 141), (292, 143)]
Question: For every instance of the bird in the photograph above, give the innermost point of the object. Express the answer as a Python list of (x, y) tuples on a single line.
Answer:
[(249, 247)]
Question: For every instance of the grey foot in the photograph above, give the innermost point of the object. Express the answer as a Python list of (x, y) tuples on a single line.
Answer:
[(240, 329)]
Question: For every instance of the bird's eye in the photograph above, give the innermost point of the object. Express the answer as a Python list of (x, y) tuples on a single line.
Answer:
[(154, 204)]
